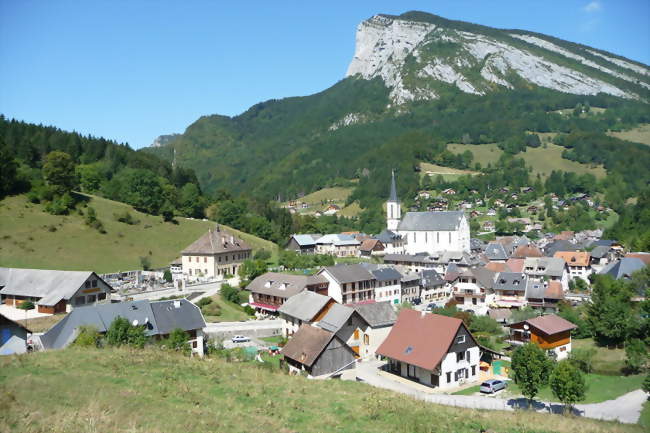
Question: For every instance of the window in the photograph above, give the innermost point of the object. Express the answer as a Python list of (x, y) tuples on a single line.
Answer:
[(460, 356), (350, 321), (94, 283), (449, 237), (101, 296), (411, 371), (189, 259), (366, 339), (460, 339), (473, 370), (92, 299), (468, 356), (205, 260), (87, 284), (80, 300), (448, 376)]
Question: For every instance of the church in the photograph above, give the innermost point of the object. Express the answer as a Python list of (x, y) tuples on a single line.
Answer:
[(426, 232)]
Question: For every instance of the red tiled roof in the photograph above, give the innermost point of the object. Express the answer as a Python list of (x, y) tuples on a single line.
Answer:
[(554, 290), (420, 339), (524, 251), (573, 258), (515, 265), (496, 267)]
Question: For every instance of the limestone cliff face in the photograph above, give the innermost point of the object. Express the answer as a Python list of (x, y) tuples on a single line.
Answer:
[(415, 57)]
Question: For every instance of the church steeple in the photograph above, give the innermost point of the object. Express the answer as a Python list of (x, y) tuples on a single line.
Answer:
[(393, 189), (393, 207)]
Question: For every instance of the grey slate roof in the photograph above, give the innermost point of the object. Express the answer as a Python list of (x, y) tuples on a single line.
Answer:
[(377, 314), (216, 241), (349, 273), (393, 189), (623, 268), (159, 317), (386, 274), (387, 237), (431, 221), (510, 281), (335, 318), (560, 245), (49, 285), (554, 267), (304, 306), (600, 251), (496, 251), (282, 285), (306, 239), (430, 278)]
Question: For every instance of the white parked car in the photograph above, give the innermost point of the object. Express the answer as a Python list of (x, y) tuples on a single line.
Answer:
[(240, 339), (493, 385)]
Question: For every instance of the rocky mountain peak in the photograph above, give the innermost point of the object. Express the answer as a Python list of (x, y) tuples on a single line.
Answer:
[(418, 55)]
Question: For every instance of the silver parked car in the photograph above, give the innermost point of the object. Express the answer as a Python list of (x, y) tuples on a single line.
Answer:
[(240, 339), (493, 385)]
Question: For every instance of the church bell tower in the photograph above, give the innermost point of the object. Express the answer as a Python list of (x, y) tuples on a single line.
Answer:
[(393, 208)]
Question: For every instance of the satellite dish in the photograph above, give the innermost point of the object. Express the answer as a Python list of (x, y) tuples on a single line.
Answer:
[(135, 322), (526, 327)]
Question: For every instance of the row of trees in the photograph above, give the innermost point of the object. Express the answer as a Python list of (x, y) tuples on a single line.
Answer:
[(54, 163)]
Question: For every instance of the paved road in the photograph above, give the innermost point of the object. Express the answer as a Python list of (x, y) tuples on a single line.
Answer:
[(625, 409)]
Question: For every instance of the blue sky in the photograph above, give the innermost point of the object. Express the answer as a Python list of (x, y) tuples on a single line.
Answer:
[(132, 70)]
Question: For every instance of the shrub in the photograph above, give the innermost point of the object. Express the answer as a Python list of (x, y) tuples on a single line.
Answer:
[(567, 383), (167, 276), (636, 356), (229, 293), (177, 341), (583, 358), (126, 218), (88, 336), (262, 255), (27, 305), (204, 301), (145, 262), (121, 332), (212, 309), (249, 310)]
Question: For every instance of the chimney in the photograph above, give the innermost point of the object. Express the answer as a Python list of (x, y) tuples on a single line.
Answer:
[(283, 286), (177, 304), (268, 284)]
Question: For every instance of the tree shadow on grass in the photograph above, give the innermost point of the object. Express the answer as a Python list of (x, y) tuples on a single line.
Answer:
[(538, 406)]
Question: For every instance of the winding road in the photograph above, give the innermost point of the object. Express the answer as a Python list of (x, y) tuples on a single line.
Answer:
[(626, 409)]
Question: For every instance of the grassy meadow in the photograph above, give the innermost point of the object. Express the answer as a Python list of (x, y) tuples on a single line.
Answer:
[(32, 238), (488, 153), (545, 160), (135, 391), (640, 134)]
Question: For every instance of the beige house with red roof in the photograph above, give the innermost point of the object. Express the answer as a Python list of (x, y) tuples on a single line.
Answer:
[(578, 262), (434, 350), (214, 255)]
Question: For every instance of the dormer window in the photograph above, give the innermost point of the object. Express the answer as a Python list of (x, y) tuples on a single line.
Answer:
[(460, 339)]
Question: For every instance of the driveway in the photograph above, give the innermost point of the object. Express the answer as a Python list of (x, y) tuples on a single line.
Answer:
[(625, 409), (13, 313)]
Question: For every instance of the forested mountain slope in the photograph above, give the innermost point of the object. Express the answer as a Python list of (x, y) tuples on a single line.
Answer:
[(416, 83)]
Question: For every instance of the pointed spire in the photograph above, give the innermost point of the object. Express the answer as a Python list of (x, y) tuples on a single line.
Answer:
[(393, 189)]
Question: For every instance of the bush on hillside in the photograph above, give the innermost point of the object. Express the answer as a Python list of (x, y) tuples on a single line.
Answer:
[(88, 336), (121, 332), (583, 358)]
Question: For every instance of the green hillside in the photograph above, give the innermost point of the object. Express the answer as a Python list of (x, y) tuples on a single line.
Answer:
[(32, 238), (123, 390)]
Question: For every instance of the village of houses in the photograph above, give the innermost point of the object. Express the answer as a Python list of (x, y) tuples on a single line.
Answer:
[(372, 319)]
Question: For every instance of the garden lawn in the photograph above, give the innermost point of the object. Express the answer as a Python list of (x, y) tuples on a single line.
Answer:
[(599, 388), (229, 312), (276, 339), (606, 361)]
